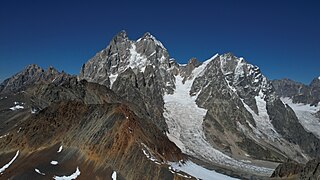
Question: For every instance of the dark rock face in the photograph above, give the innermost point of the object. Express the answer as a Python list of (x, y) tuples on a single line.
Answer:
[(298, 92), (185, 71), (293, 170), (228, 83), (287, 124), (31, 75), (107, 61), (287, 170), (143, 90), (221, 88), (140, 71), (289, 88), (311, 170)]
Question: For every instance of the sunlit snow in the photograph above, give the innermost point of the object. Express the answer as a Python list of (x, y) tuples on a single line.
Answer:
[(16, 107), (114, 175), (306, 115), (262, 119), (146, 151), (185, 118), (39, 172), (112, 78), (136, 60), (72, 176), (60, 149), (197, 171), (4, 135), (9, 163), (54, 162)]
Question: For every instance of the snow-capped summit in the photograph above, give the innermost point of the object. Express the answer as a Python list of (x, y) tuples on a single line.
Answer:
[(122, 54)]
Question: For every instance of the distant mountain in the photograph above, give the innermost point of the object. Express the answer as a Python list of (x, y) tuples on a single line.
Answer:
[(298, 92), (136, 113), (29, 76)]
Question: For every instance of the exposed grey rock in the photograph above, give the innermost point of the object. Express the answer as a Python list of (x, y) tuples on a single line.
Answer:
[(220, 90), (287, 170), (228, 83), (293, 170), (185, 71), (298, 92), (31, 75), (140, 71), (287, 124), (311, 170)]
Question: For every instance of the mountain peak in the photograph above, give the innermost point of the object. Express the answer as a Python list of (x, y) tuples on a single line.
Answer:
[(120, 36), (30, 75), (194, 61), (32, 66), (149, 36)]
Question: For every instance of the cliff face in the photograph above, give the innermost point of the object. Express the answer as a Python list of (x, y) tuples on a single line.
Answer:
[(298, 92)]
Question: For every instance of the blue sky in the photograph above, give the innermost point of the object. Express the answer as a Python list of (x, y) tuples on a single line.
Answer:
[(280, 36)]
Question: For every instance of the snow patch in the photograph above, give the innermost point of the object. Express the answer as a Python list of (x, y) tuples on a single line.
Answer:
[(17, 107), (113, 78), (114, 175), (197, 171), (33, 111), (72, 176), (136, 60), (9, 163), (54, 162), (39, 172), (60, 149), (147, 152), (4, 135)]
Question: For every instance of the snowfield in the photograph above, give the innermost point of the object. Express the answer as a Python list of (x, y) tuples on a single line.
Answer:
[(198, 171), (185, 118), (306, 115)]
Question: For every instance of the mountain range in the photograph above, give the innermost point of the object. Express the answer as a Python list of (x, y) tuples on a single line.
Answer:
[(133, 112)]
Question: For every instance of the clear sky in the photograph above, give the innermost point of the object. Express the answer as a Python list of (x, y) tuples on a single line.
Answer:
[(280, 36)]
